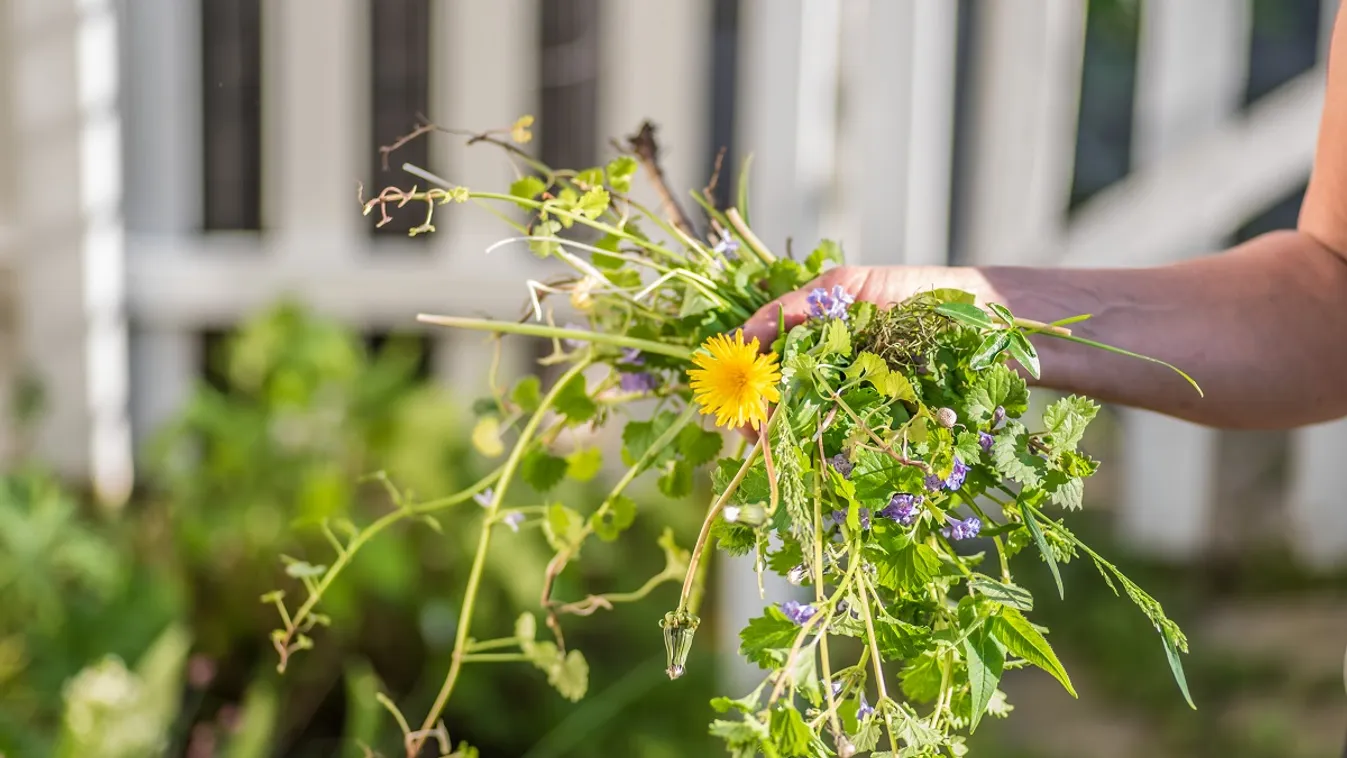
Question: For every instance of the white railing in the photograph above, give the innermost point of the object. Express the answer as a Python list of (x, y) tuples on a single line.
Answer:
[(875, 173)]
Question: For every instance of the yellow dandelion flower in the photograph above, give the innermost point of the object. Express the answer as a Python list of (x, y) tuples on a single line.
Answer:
[(732, 380)]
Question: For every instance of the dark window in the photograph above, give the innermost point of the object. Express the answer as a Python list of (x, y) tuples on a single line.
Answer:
[(724, 74), (1284, 43), (231, 70), (568, 121), (1108, 84), (400, 49), (963, 125)]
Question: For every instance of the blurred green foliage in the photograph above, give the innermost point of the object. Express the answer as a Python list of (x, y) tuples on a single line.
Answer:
[(142, 634)]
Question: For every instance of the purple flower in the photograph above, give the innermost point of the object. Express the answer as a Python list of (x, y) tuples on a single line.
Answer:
[(797, 612), (864, 514), (825, 305), (934, 483), (641, 382), (902, 508), (957, 475), (865, 711), (632, 356), (998, 417), (842, 465), (837, 687), (962, 530), (836, 518), (483, 498), (513, 519), (727, 244), (985, 440)]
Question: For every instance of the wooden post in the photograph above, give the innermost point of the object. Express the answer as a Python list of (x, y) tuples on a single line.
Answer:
[(1192, 63), (67, 119)]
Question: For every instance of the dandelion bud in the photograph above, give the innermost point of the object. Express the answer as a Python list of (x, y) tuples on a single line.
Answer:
[(946, 417), (679, 626), (796, 576)]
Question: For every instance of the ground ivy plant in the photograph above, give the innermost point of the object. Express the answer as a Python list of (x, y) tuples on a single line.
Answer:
[(892, 473)]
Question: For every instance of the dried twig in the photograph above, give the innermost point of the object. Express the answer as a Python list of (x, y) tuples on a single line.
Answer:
[(643, 144)]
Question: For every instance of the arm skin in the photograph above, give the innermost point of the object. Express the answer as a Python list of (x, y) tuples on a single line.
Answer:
[(1262, 326)]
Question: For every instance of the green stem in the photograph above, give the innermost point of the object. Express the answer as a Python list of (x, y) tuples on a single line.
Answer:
[(1128, 353), (871, 642), (483, 544), (476, 647), (710, 519), (540, 330), (494, 657)]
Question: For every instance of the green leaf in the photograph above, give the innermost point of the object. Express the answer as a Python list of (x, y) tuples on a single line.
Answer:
[(1002, 313), (899, 640), (1012, 458), (826, 252), (1009, 595), (985, 660), (889, 383), (734, 538), (620, 171), (836, 339), (768, 638), (909, 567), (997, 386), (527, 394), (526, 628), (1067, 492), (542, 470), (563, 527), (699, 446), (792, 736), (1067, 418), (570, 675), (302, 570), (990, 348), (610, 524), (1176, 666), (638, 436), (574, 402), (584, 463), (590, 177), (867, 734), (677, 481), (545, 229), (593, 203), (921, 678), (1021, 350), (1042, 543), (486, 437), (966, 313), (1023, 639), (968, 446), (951, 295), (527, 188)]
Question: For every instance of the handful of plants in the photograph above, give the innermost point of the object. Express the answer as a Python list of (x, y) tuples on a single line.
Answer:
[(892, 474)]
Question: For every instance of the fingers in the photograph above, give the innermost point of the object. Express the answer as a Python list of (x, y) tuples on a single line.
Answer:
[(765, 324)]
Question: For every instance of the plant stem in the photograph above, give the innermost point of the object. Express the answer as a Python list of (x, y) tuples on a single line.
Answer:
[(494, 657), (818, 594), (874, 652), (750, 238), (710, 518), (483, 544), (540, 330)]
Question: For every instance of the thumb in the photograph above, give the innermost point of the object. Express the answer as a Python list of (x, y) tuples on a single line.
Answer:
[(765, 324)]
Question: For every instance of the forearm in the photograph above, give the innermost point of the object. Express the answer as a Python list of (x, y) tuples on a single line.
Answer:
[(1262, 327)]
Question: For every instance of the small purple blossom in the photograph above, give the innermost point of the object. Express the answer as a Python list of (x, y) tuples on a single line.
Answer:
[(864, 514), (837, 687), (842, 465), (998, 417), (483, 498), (902, 508), (865, 710), (985, 440), (727, 244), (513, 519), (826, 305), (962, 530), (798, 612), (836, 518), (632, 356), (640, 382), (934, 483), (957, 475)]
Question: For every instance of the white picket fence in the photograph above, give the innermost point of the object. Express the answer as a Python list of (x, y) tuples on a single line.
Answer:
[(847, 105)]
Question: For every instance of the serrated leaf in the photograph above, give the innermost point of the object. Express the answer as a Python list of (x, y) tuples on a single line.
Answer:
[(699, 446), (1067, 418), (826, 252), (638, 436), (867, 735), (542, 470), (967, 446), (527, 394), (570, 675), (620, 171), (988, 351), (563, 527), (676, 482), (574, 402), (836, 339), (1009, 595), (791, 735), (1023, 351), (909, 567), (1024, 640), (1012, 458), (584, 463), (590, 177), (1067, 492), (528, 188), (985, 660), (966, 313), (486, 437), (768, 638), (921, 678), (593, 203), (620, 515), (997, 386)]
